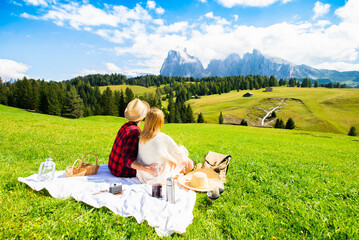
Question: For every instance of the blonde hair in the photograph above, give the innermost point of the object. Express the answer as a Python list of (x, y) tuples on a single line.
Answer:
[(153, 123)]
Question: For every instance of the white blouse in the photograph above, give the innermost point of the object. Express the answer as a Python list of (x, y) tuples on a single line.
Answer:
[(161, 149)]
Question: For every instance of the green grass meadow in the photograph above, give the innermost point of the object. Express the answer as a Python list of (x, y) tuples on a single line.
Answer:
[(315, 109), (281, 184)]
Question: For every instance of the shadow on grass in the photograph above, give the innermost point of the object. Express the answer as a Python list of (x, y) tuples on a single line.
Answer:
[(313, 135)]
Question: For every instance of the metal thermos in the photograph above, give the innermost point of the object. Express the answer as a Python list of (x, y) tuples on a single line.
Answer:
[(170, 190)]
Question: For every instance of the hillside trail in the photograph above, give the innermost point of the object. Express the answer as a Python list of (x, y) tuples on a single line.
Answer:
[(272, 110)]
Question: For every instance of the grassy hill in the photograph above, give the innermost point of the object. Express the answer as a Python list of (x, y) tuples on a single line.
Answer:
[(137, 90), (281, 184), (313, 109)]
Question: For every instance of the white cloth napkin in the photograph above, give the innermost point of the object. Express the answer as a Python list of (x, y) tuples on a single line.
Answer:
[(135, 201)]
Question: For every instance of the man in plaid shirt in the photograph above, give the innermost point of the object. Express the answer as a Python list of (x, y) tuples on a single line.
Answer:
[(123, 157)]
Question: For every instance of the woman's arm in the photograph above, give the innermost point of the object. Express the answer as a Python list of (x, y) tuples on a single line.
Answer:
[(180, 153), (149, 169)]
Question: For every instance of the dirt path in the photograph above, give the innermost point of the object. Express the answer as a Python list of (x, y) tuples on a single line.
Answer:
[(264, 118), (270, 112)]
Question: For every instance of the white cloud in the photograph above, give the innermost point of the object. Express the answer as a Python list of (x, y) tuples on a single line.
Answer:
[(16, 3), (79, 16), (322, 23), (26, 15), (148, 40), (320, 9), (151, 4), (209, 15), (36, 2), (219, 20), (11, 69), (177, 27), (339, 66), (203, 1), (159, 22), (160, 11), (300, 43), (250, 3), (113, 68), (349, 13)]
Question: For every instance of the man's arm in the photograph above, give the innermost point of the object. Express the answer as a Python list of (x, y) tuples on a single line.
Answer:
[(138, 166)]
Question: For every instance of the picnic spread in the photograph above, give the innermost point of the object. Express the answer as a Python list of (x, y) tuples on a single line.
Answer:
[(168, 209), (136, 200)]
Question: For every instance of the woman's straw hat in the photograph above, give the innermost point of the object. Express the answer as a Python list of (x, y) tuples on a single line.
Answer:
[(136, 110), (201, 180)]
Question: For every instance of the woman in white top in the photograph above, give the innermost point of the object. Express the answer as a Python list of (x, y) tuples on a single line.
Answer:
[(157, 147)]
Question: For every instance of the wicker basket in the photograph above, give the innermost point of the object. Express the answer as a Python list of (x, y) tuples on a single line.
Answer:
[(75, 171), (91, 169)]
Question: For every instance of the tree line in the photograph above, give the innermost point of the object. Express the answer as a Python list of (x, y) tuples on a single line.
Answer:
[(76, 99), (81, 96), (206, 85)]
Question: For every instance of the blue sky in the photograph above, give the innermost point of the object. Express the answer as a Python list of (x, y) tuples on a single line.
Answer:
[(58, 40)]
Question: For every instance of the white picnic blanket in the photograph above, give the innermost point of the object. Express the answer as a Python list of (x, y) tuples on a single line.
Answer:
[(135, 201)]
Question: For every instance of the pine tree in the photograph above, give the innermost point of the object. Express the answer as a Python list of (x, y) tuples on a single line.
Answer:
[(177, 114), (3, 95), (87, 112), (129, 96), (108, 105), (244, 122), (273, 82), (290, 124), (220, 118), (352, 132), (292, 82), (121, 105), (159, 97), (273, 115), (73, 106), (23, 94), (189, 114), (97, 103), (279, 123), (200, 118), (54, 106), (171, 108), (316, 83), (43, 95)]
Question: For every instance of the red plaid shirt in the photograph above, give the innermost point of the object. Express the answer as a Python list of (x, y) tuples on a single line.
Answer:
[(124, 151)]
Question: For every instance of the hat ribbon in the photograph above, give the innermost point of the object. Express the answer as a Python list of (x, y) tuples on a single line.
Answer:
[(139, 115)]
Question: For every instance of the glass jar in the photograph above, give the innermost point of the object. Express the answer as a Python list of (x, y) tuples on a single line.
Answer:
[(47, 170)]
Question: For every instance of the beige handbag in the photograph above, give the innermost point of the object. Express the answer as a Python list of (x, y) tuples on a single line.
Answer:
[(218, 163)]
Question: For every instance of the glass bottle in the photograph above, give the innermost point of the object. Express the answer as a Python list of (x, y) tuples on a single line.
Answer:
[(157, 185), (47, 170)]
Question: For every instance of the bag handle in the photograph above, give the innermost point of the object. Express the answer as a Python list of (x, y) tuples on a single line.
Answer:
[(223, 160), (82, 160)]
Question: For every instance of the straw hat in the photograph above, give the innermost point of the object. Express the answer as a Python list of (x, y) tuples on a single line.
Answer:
[(201, 180), (136, 110)]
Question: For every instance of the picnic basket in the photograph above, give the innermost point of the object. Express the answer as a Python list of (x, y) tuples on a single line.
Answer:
[(91, 169), (83, 168), (73, 171)]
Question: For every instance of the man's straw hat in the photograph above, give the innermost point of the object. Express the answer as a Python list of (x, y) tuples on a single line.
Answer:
[(136, 110), (201, 180)]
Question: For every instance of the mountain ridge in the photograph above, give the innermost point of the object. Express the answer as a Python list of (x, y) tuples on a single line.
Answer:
[(180, 63)]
